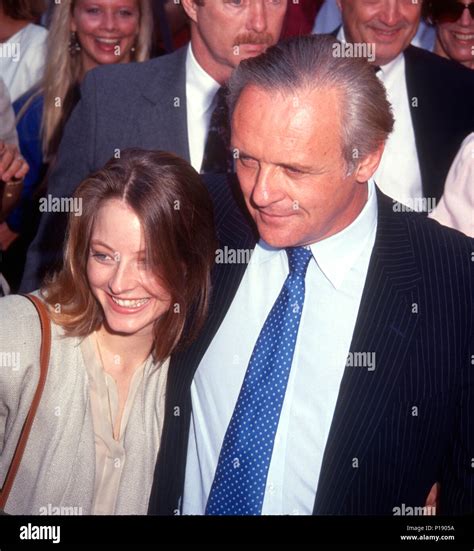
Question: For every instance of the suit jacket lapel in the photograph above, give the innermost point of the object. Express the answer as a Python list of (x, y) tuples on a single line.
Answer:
[(236, 233), (162, 117), (418, 99), (385, 326)]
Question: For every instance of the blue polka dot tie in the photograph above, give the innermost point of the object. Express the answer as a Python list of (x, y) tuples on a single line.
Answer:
[(241, 475)]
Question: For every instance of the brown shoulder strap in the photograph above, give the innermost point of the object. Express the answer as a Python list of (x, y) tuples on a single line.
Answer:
[(25, 432)]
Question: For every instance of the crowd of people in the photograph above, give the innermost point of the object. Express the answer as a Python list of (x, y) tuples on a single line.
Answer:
[(250, 225)]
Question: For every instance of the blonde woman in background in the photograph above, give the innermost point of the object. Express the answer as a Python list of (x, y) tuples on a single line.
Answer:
[(84, 34)]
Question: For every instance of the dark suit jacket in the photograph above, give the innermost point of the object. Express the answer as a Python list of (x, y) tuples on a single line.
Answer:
[(131, 105), (407, 424), (440, 93)]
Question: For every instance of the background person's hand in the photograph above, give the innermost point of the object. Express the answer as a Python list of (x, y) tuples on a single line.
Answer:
[(12, 164)]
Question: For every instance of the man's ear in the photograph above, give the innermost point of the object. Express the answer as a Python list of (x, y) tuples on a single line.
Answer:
[(190, 8), (369, 164)]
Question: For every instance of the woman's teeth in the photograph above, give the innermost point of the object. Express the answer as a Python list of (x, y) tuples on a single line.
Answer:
[(130, 303), (108, 40), (460, 36)]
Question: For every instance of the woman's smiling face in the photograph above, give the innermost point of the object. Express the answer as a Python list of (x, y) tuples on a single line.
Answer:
[(106, 30), (456, 38), (130, 294)]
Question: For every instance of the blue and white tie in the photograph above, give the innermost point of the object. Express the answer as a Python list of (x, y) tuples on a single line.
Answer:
[(241, 475)]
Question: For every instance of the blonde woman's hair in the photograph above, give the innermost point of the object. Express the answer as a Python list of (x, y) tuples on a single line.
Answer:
[(63, 71)]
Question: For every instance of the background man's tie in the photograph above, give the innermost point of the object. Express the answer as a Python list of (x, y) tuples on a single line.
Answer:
[(240, 479), (217, 157)]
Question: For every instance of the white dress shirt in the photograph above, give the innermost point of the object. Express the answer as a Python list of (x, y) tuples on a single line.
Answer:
[(334, 284), (456, 206), (22, 59), (329, 18), (398, 174), (201, 90)]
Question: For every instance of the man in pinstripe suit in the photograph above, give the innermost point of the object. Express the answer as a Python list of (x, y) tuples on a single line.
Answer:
[(378, 406)]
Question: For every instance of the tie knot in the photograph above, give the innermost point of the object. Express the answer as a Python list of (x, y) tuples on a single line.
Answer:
[(298, 259)]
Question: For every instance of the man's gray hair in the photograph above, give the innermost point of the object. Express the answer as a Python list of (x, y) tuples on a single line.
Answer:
[(311, 63)]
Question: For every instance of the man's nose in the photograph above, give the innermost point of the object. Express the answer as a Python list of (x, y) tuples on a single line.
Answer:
[(266, 189), (390, 12), (257, 16)]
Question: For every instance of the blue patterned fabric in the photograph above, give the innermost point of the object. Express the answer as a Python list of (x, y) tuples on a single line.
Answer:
[(239, 483)]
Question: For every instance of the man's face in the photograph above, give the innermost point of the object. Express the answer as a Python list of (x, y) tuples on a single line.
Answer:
[(291, 168), (227, 31), (389, 24)]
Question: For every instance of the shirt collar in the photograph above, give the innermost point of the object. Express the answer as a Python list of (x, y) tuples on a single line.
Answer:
[(337, 254), (200, 85), (388, 67)]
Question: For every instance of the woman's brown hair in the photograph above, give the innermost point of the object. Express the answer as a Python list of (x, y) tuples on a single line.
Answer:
[(175, 211)]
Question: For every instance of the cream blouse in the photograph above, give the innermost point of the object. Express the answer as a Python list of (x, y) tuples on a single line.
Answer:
[(110, 453)]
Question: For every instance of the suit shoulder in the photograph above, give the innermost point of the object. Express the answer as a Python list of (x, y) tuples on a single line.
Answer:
[(435, 242), (438, 68), (137, 73), (233, 223)]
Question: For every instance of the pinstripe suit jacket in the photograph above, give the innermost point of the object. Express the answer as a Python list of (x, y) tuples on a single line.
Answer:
[(396, 430)]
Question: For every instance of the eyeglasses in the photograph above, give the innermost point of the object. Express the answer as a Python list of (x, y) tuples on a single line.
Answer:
[(449, 11)]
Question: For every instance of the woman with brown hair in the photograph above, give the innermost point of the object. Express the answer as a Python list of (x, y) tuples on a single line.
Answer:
[(135, 283)]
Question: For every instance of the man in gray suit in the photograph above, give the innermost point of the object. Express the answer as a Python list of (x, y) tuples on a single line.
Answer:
[(165, 103)]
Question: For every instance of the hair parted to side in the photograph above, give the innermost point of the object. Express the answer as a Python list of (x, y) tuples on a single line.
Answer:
[(176, 214), (28, 10), (309, 63), (63, 72)]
